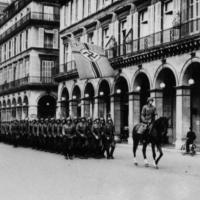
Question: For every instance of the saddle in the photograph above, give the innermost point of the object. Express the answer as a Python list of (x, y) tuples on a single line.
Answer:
[(141, 128)]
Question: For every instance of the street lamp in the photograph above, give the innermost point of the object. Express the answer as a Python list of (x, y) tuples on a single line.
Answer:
[(138, 88), (101, 93), (118, 91), (63, 99), (86, 95), (191, 81), (162, 85)]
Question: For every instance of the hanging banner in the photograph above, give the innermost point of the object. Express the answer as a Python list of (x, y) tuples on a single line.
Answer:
[(91, 61)]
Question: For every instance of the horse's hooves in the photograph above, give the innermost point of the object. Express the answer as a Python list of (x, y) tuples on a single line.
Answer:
[(157, 167), (135, 163), (146, 165)]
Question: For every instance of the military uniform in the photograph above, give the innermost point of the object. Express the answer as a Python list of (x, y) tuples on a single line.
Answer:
[(97, 137), (108, 138), (69, 133), (82, 140)]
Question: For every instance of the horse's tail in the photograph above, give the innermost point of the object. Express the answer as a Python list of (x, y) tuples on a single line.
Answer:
[(134, 132)]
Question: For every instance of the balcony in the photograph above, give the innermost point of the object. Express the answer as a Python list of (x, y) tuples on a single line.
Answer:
[(27, 82), (65, 71), (160, 39), (30, 17)]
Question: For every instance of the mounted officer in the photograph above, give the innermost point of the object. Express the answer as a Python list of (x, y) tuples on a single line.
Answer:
[(148, 115)]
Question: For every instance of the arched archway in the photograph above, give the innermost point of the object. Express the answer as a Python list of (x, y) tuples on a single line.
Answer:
[(46, 107), (165, 84), (121, 99), (25, 107), (192, 81), (19, 108), (65, 103), (89, 100), (76, 102), (104, 99)]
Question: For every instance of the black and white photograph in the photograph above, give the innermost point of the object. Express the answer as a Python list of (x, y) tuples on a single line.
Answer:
[(99, 99)]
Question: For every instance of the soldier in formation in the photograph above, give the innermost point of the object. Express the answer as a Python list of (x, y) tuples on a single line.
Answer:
[(71, 137)]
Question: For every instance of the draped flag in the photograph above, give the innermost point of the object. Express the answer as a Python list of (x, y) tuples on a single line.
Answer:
[(91, 61)]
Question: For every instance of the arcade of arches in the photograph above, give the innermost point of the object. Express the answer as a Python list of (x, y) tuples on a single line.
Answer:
[(179, 100), (19, 108)]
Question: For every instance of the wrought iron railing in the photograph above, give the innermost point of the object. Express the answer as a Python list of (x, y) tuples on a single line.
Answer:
[(28, 80), (166, 36), (30, 16)]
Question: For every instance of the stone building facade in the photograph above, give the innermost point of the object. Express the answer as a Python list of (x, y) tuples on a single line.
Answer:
[(152, 45), (29, 49)]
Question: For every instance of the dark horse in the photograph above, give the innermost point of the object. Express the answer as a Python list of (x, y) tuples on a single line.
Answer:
[(154, 136)]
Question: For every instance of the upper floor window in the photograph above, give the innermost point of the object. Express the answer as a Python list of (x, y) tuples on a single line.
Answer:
[(48, 40), (48, 12), (122, 31), (194, 13), (90, 38), (46, 69)]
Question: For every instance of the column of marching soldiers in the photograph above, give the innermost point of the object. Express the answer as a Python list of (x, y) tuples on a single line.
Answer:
[(78, 137)]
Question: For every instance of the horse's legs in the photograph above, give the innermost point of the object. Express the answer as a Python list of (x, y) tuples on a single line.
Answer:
[(154, 154), (135, 145), (144, 148), (161, 154)]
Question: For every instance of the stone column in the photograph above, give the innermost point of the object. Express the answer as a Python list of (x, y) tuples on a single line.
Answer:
[(70, 108), (130, 118), (183, 114), (136, 108), (95, 111), (112, 106), (158, 96), (82, 108), (58, 110)]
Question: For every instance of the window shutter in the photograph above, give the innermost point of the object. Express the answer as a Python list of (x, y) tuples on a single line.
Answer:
[(95, 37), (157, 23), (135, 31), (129, 22), (151, 19), (111, 29), (80, 9), (158, 17), (93, 6), (41, 37), (55, 39), (100, 36), (184, 18), (116, 31)]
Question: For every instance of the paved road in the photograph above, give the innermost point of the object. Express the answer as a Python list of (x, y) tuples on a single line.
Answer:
[(27, 174)]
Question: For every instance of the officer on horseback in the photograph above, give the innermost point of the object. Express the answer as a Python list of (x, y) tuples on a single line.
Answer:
[(148, 114)]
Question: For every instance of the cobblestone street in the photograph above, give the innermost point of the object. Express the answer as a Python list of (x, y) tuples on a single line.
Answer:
[(27, 174)]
